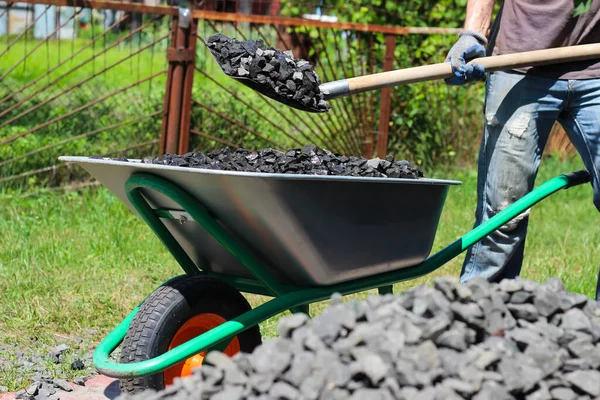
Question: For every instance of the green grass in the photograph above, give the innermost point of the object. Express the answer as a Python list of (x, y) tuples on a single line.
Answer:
[(141, 65), (74, 262)]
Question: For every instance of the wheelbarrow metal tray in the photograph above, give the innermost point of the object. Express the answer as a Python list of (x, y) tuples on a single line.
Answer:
[(308, 230)]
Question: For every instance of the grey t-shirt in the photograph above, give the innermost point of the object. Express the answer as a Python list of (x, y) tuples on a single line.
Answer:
[(526, 25)]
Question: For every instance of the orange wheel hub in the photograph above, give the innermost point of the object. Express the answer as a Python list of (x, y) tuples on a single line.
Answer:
[(193, 327)]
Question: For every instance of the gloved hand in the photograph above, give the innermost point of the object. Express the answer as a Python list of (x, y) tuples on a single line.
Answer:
[(469, 45)]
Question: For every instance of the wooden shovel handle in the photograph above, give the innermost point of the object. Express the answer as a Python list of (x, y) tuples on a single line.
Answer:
[(492, 63)]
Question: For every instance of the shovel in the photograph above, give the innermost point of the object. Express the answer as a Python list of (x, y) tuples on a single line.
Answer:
[(359, 84)]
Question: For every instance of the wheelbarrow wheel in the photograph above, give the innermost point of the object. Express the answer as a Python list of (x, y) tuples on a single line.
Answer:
[(175, 313)]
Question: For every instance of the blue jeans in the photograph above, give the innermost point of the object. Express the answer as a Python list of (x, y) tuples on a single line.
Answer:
[(520, 111)]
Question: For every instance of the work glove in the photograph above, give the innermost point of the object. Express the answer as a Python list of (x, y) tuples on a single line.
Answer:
[(469, 45)]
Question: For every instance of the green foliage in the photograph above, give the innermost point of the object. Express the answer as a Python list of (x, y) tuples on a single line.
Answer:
[(444, 13), (436, 124), (581, 7)]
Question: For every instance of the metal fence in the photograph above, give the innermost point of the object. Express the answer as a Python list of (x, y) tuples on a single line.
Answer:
[(77, 80), (135, 79)]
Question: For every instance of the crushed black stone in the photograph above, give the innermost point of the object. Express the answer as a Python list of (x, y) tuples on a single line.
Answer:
[(309, 160), (448, 341), (276, 70), (77, 365)]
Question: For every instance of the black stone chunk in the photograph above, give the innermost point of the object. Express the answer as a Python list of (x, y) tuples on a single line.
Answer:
[(252, 59), (77, 365)]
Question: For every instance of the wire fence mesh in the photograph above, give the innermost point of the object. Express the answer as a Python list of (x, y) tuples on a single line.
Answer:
[(77, 81), (87, 80)]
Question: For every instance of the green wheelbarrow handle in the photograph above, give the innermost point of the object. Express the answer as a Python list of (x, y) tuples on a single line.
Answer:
[(305, 296)]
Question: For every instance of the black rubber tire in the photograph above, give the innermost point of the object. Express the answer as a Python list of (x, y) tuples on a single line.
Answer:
[(166, 310)]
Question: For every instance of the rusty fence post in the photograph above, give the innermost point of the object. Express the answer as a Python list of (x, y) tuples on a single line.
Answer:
[(175, 129), (386, 99), (166, 106), (188, 83)]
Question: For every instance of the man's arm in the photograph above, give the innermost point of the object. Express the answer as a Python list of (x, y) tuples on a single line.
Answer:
[(479, 15)]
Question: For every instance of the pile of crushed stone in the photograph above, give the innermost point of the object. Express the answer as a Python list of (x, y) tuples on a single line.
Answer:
[(47, 369), (514, 340)]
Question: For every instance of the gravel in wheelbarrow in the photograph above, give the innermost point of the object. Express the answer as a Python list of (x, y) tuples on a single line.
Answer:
[(309, 160), (512, 340)]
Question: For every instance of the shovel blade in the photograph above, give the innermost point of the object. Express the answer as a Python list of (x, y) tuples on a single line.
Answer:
[(266, 90)]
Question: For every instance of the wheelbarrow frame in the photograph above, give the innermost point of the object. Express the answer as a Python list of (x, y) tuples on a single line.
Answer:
[(285, 296)]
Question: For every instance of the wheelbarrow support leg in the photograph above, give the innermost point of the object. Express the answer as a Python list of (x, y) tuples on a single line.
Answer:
[(382, 290), (305, 309)]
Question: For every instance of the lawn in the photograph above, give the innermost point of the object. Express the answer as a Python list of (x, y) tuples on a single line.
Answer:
[(126, 62), (73, 264)]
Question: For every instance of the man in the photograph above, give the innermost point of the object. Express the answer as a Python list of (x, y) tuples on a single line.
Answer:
[(520, 109)]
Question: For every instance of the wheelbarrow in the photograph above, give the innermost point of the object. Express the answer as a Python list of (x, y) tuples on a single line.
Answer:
[(298, 239)]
